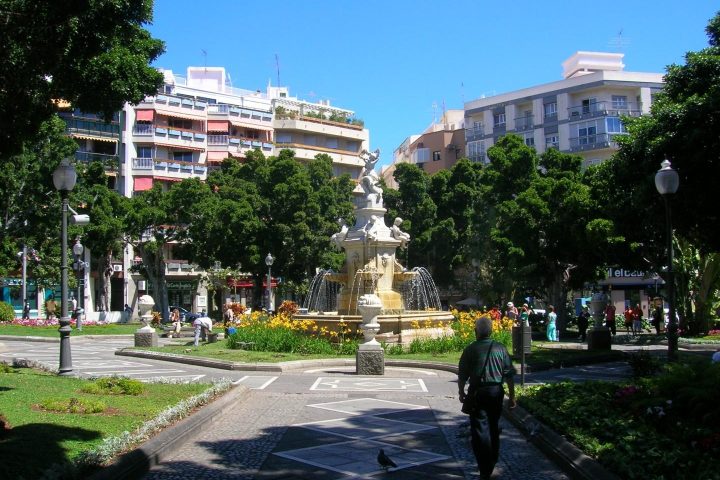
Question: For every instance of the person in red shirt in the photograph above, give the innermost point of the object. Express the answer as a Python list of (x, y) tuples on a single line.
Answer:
[(628, 314), (610, 318), (637, 319), (495, 313)]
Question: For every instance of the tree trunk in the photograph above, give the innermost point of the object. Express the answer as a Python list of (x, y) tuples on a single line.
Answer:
[(709, 277), (107, 271), (154, 261)]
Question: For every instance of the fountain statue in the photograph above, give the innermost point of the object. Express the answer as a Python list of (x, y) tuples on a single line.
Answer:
[(407, 297)]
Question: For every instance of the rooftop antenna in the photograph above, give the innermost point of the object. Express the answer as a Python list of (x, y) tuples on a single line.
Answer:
[(277, 67), (204, 53), (618, 42), (434, 108), (462, 92)]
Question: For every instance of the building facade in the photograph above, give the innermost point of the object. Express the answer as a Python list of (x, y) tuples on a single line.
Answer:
[(579, 114), (439, 147), (185, 131)]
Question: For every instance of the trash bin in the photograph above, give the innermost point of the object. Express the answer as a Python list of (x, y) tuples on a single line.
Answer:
[(526, 340)]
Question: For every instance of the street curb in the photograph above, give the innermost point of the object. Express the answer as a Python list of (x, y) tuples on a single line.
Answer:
[(567, 456), (138, 462)]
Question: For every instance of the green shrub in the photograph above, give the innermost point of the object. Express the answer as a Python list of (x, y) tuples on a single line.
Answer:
[(643, 364), (6, 368), (114, 386), (7, 314), (73, 405)]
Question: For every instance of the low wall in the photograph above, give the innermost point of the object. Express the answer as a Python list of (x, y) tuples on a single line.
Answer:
[(106, 317)]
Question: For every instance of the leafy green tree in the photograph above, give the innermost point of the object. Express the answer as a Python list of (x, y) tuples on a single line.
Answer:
[(95, 55), (684, 127), (30, 206), (106, 231)]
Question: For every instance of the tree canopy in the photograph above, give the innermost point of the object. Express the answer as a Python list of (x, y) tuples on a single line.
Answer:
[(95, 55)]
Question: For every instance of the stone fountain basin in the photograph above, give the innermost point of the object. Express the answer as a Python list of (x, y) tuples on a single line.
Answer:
[(394, 327)]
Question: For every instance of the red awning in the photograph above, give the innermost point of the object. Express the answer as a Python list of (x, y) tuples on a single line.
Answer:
[(143, 183), (148, 115), (239, 283), (218, 126)]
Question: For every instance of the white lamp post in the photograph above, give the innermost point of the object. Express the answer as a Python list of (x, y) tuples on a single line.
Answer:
[(269, 261), (64, 178), (667, 183), (79, 267)]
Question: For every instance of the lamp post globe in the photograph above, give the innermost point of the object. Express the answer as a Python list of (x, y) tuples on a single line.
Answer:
[(667, 182), (64, 178), (269, 261)]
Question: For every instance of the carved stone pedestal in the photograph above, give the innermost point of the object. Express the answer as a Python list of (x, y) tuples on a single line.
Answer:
[(370, 360), (146, 339), (599, 338)]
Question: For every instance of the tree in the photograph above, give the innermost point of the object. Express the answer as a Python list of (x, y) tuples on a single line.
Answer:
[(684, 126), (30, 205), (95, 55)]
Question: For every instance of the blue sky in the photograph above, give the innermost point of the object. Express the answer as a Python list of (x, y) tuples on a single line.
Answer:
[(397, 62)]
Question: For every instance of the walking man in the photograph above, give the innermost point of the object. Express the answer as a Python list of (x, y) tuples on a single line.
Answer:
[(486, 364)]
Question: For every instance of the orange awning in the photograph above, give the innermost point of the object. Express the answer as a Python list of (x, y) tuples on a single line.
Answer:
[(145, 115), (169, 179), (179, 115), (186, 147), (251, 125), (92, 137), (217, 156), (218, 126)]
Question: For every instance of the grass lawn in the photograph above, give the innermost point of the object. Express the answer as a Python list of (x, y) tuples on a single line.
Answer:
[(52, 331), (38, 438)]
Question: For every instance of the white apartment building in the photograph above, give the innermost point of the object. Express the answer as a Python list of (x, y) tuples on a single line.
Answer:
[(579, 114), (188, 128)]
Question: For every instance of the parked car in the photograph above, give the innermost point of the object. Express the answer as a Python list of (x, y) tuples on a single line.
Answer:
[(186, 316)]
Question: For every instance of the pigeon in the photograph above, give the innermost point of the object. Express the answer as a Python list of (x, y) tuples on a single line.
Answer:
[(385, 461)]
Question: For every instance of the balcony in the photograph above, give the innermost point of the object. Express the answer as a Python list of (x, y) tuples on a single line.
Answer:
[(593, 142), (143, 130), (93, 128), (475, 133), (109, 161), (524, 123), (478, 157), (604, 109)]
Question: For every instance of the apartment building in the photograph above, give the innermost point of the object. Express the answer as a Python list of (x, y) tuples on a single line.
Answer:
[(579, 114), (187, 129), (439, 146)]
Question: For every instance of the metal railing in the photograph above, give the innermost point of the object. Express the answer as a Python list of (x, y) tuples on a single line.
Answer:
[(594, 142), (143, 129), (474, 133), (599, 109), (217, 139), (524, 123)]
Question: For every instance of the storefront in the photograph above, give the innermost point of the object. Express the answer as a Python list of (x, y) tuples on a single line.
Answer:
[(631, 287)]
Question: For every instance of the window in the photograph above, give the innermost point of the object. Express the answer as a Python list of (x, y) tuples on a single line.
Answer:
[(552, 141), (529, 140), (180, 123), (183, 156), (499, 119), (283, 137), (331, 142), (550, 109), (619, 101), (436, 155), (144, 152), (586, 133), (614, 125), (588, 105)]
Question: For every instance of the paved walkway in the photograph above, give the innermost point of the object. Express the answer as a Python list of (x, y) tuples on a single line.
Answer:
[(333, 426)]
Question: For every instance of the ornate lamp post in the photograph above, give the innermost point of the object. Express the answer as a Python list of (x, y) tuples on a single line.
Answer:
[(64, 178), (269, 261), (667, 183)]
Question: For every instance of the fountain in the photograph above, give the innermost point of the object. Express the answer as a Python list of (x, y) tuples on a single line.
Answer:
[(407, 298)]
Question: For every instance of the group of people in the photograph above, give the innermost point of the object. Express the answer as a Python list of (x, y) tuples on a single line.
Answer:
[(633, 319)]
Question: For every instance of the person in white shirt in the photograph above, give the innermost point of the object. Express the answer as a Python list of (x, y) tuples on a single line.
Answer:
[(203, 325)]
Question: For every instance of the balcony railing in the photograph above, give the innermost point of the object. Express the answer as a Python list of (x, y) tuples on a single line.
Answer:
[(92, 127), (478, 157), (600, 109), (524, 123), (474, 133), (217, 139), (143, 129), (142, 163), (88, 157), (594, 142)]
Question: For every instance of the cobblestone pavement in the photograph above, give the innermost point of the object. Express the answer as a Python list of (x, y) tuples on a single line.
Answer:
[(266, 429)]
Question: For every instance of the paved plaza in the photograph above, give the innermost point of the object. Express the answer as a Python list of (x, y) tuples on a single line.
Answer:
[(322, 422)]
